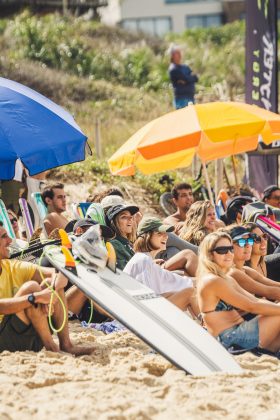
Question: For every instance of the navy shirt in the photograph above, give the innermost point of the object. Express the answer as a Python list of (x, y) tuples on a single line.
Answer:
[(182, 72)]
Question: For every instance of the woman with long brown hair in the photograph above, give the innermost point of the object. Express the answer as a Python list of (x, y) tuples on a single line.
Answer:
[(121, 220), (152, 238), (200, 220)]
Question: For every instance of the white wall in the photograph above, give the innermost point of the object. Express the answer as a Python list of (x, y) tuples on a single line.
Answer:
[(177, 12), (111, 14)]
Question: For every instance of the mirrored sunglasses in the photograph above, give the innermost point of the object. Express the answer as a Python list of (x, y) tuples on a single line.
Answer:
[(258, 238), (242, 242), (223, 250)]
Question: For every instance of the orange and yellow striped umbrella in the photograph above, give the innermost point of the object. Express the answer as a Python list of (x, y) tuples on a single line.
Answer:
[(213, 130)]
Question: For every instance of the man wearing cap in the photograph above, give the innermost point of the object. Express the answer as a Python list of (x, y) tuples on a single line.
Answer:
[(82, 225), (271, 196), (248, 278), (122, 222), (77, 301), (182, 78)]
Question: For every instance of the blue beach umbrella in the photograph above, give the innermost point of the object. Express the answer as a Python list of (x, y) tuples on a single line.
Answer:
[(35, 130)]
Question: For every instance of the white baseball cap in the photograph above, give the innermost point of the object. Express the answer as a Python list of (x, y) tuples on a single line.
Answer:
[(111, 200)]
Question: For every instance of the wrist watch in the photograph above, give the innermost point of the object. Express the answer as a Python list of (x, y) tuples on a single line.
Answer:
[(31, 299)]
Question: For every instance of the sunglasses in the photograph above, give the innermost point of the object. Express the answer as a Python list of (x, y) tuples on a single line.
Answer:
[(242, 242), (13, 220), (223, 250), (258, 238)]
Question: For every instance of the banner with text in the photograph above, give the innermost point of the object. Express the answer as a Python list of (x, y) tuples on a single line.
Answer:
[(262, 83)]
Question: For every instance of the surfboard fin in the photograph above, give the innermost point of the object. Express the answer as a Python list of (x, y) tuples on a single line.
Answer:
[(65, 241), (70, 263), (112, 258)]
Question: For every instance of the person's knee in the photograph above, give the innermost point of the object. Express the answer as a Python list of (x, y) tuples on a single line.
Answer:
[(28, 287), (187, 254)]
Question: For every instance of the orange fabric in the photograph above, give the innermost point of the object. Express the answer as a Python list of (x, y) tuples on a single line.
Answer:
[(215, 130)]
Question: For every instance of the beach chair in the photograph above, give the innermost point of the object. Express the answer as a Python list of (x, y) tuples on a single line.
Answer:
[(26, 217), (41, 208), (263, 215), (79, 210), (4, 218), (96, 213)]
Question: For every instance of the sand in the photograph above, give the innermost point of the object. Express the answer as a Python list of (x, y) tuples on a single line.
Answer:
[(124, 380)]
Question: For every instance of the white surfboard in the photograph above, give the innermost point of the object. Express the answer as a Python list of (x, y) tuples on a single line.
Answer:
[(151, 317)]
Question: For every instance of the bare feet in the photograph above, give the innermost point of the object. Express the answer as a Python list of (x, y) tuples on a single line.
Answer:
[(77, 350)]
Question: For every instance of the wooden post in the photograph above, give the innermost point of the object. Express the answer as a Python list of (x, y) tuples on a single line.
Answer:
[(97, 138), (64, 7), (219, 166), (208, 184)]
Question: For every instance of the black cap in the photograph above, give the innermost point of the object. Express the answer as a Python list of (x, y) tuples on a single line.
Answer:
[(106, 231), (269, 190), (119, 208), (238, 232)]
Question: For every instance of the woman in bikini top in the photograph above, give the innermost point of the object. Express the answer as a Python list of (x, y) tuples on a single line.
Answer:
[(219, 297)]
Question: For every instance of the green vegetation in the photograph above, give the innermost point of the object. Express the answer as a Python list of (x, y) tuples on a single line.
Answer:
[(117, 77)]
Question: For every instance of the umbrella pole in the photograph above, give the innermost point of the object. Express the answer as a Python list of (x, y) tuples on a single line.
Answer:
[(208, 184), (235, 175), (226, 178), (219, 166)]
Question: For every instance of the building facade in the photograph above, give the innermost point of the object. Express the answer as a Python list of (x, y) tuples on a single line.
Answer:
[(157, 17)]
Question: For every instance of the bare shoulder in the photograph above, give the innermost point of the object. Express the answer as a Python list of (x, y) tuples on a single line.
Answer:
[(250, 271), (235, 271), (171, 220), (50, 217), (210, 280)]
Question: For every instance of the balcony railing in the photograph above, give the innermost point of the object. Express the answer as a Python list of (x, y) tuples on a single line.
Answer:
[(56, 3)]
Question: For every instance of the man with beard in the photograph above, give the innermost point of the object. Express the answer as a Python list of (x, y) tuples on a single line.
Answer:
[(55, 200)]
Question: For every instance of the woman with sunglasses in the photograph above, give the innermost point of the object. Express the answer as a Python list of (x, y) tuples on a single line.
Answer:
[(261, 260), (259, 248), (220, 297), (247, 277), (15, 225)]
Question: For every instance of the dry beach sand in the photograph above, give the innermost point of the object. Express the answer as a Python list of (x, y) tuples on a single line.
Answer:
[(124, 380)]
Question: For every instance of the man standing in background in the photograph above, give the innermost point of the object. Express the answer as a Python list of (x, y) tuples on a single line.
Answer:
[(182, 78)]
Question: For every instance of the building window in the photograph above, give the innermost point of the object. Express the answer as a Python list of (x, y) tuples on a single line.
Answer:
[(205, 21), (158, 26), (184, 1)]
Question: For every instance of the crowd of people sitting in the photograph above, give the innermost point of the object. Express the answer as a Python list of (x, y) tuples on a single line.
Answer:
[(223, 272)]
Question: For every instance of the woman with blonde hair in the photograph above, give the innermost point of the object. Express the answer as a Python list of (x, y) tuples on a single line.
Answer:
[(200, 220), (220, 297)]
